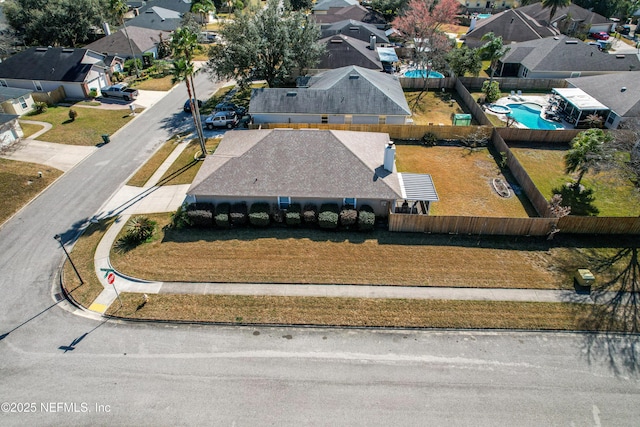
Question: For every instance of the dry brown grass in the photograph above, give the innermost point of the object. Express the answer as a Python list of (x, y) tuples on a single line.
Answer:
[(434, 107), (186, 167), (19, 183), (316, 256), (462, 179), (354, 311), (82, 256)]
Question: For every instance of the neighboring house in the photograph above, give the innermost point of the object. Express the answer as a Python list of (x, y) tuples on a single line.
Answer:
[(180, 6), (487, 6), (45, 69), (618, 92), (157, 18), (561, 57), (15, 100), (512, 25), (355, 29), (356, 12), (342, 51), (322, 6), (10, 130), (143, 40), (115, 64), (351, 95), (285, 166), (532, 22)]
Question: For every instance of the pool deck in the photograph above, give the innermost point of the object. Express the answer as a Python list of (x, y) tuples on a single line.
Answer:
[(542, 101)]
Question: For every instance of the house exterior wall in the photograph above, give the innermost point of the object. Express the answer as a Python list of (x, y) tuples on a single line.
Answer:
[(380, 207), (14, 106), (72, 90), (9, 133)]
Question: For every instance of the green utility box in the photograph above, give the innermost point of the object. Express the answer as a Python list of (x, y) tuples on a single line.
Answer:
[(462, 119), (584, 278), (105, 138)]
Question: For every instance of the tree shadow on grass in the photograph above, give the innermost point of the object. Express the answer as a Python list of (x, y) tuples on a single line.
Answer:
[(579, 200)]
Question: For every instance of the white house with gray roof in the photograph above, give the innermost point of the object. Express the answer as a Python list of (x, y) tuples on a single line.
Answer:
[(348, 95), (562, 57), (285, 166)]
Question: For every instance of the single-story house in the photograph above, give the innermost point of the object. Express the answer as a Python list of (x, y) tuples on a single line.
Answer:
[(143, 40), (285, 166), (351, 95), (342, 51), (356, 29), (487, 5), (569, 19), (10, 130), (16, 100), (356, 12), (618, 92), (45, 69), (157, 18), (322, 6), (561, 57)]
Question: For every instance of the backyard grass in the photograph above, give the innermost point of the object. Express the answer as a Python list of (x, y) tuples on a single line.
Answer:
[(279, 255), (355, 312), (19, 183), (185, 168), (86, 129), (463, 180), (434, 107), (143, 174), (613, 194), (82, 255), (29, 129)]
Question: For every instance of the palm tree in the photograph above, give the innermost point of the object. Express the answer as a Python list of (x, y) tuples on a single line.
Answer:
[(588, 151), (119, 8), (183, 44), (553, 6), (203, 7), (493, 49)]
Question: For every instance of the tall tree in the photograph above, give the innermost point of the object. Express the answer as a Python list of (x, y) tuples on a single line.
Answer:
[(493, 50), (183, 44), (54, 22), (553, 6), (203, 8), (266, 45), (300, 5), (588, 151), (465, 60), (423, 22), (118, 9)]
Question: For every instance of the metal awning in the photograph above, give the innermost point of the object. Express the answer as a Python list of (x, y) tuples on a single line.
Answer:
[(387, 54), (417, 186), (580, 99)]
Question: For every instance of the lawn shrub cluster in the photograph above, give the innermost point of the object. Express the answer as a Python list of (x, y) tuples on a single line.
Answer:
[(139, 229), (329, 216)]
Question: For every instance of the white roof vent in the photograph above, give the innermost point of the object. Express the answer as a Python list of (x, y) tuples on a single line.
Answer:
[(292, 93), (571, 41), (623, 88)]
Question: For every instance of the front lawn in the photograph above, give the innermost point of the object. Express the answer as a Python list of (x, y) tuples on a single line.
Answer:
[(613, 194), (186, 167), (463, 180), (86, 129), (20, 183)]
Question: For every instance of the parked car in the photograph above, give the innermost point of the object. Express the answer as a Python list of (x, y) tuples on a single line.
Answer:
[(623, 29), (222, 119), (119, 90), (230, 106), (600, 35), (187, 105)]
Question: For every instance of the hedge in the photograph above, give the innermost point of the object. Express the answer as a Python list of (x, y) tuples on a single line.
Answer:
[(310, 214), (366, 218), (200, 214), (328, 216), (293, 217), (238, 214), (222, 215), (348, 216), (259, 214)]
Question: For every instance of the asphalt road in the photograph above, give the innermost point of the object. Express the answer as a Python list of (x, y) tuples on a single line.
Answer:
[(58, 367)]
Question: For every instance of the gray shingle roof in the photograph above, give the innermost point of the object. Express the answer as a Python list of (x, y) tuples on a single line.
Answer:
[(347, 90), (328, 4), (142, 40), (342, 51), (8, 93), (512, 26), (608, 90), (297, 163), (573, 11), (6, 118), (356, 29), (48, 64), (157, 18), (356, 12), (555, 54)]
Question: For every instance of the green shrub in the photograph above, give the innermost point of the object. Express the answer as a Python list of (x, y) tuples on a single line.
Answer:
[(328, 216), (179, 218), (238, 214), (72, 114), (140, 228), (491, 91), (259, 214), (277, 214), (222, 215), (348, 216), (310, 214), (366, 218), (200, 218), (293, 216), (40, 107), (93, 93)]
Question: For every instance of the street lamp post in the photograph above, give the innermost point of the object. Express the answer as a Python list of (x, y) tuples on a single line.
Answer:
[(59, 239)]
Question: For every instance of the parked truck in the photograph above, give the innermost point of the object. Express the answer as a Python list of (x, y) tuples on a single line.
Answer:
[(120, 90)]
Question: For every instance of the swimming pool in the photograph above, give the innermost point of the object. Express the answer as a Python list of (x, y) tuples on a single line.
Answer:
[(529, 116), (499, 109), (484, 15), (417, 74)]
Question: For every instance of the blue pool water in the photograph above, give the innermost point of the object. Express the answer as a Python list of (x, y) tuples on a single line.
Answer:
[(529, 115), (417, 74), (484, 15)]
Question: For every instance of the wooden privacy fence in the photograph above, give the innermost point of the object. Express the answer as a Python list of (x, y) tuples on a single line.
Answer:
[(535, 135), (51, 98), (431, 84), (400, 132), (476, 110), (515, 83), (471, 225)]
